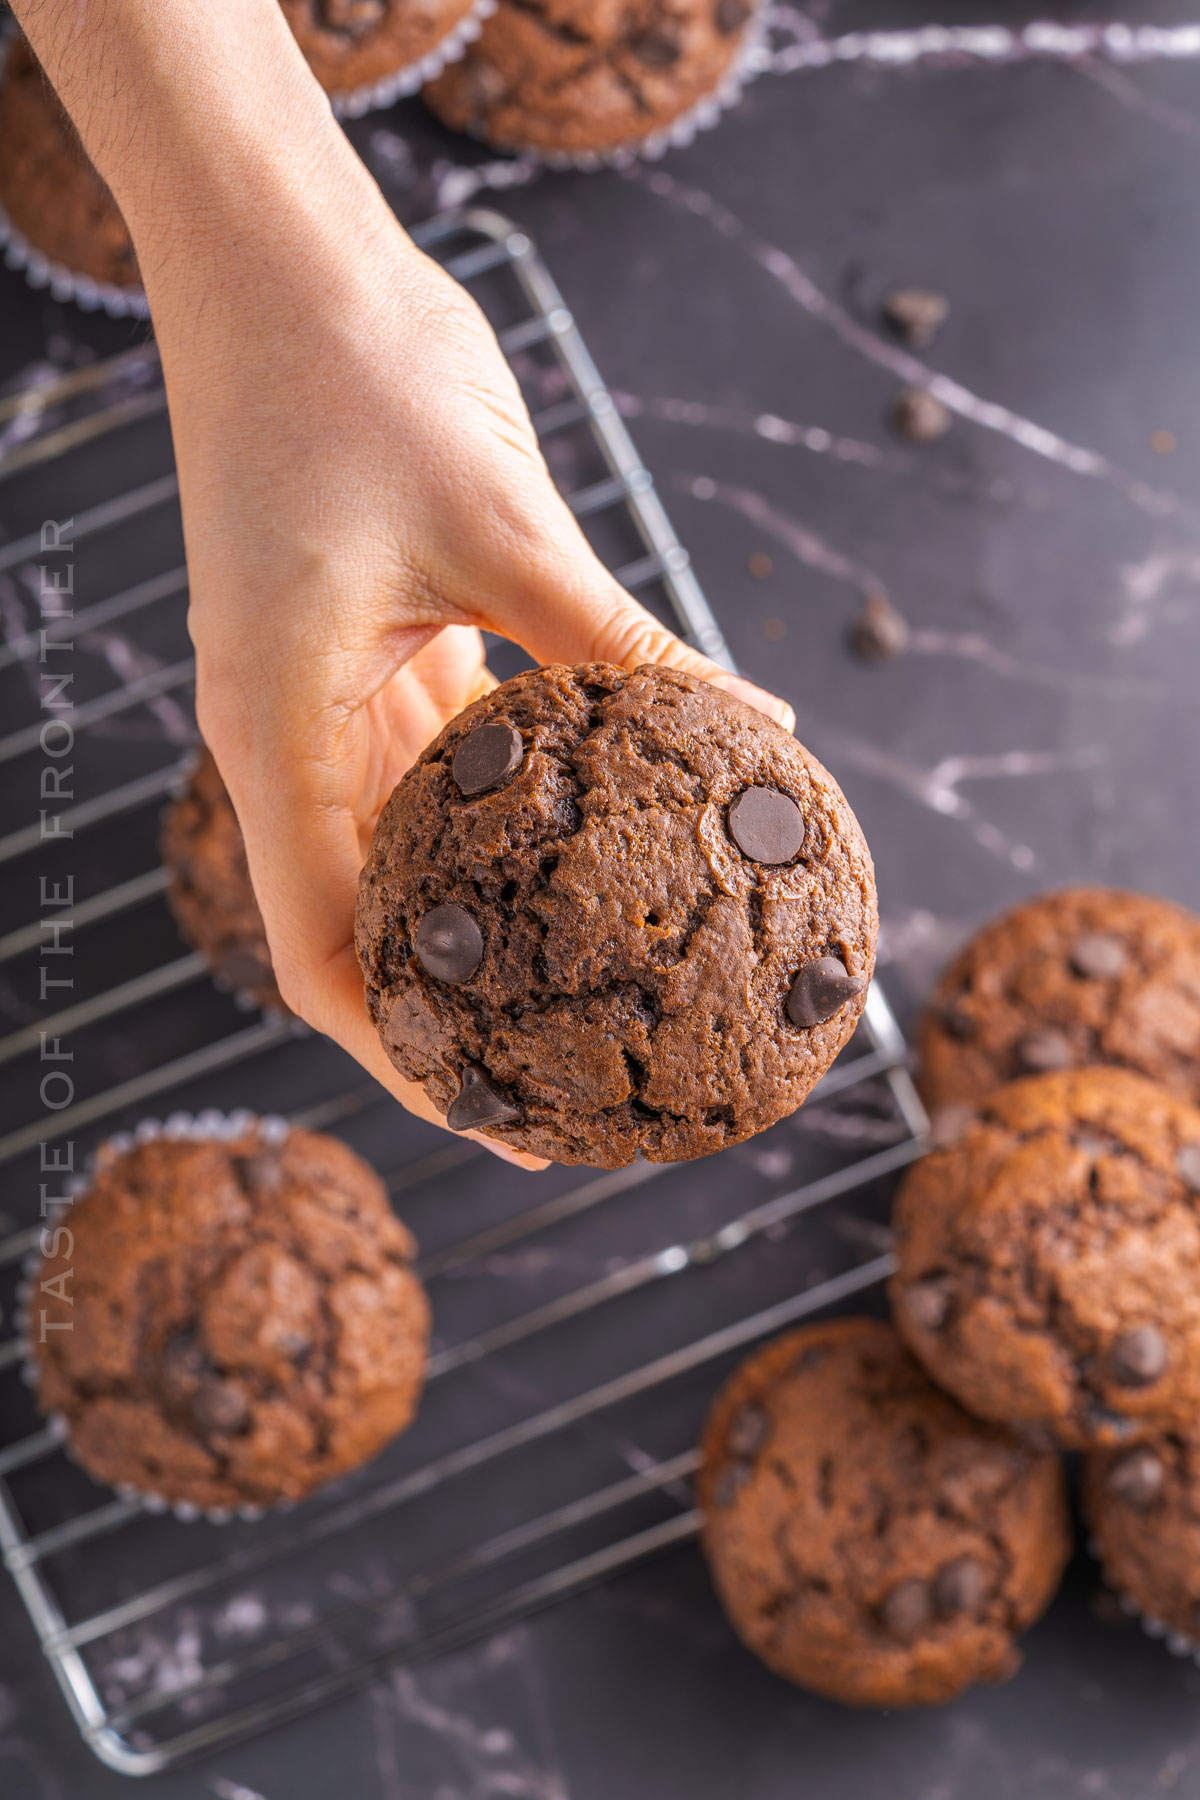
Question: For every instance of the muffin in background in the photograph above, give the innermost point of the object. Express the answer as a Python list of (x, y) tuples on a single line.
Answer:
[(1049, 1259), (237, 1321), (1083, 975), (867, 1538), (209, 890), (50, 192), (580, 80), (1143, 1509), (367, 53)]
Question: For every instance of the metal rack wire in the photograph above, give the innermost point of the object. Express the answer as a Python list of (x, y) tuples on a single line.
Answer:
[(554, 1445)]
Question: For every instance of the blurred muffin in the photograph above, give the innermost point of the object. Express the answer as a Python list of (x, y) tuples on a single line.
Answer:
[(587, 78), (237, 1321), (1143, 1508), (49, 190), (209, 889), (370, 51), (867, 1538)]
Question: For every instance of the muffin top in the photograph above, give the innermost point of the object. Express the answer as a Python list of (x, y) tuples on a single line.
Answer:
[(607, 914), (51, 192), (590, 76), (236, 1321), (1085, 975), (208, 886), (351, 44), (1049, 1260), (866, 1537)]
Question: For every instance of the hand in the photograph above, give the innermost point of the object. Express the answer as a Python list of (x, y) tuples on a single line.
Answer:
[(362, 492)]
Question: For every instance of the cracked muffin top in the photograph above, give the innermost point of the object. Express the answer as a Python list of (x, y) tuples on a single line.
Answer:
[(49, 187), (232, 1321), (1084, 975), (610, 914), (584, 77), (1049, 1260), (209, 890), (866, 1537), (351, 44)]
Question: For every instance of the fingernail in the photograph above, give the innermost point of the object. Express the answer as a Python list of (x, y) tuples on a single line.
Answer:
[(759, 698)]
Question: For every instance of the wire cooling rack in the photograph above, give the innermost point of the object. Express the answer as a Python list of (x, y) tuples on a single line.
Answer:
[(582, 1320)]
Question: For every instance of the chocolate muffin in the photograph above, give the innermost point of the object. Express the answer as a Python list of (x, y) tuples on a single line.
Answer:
[(607, 914), (591, 77), (48, 188), (236, 1322), (208, 888), (1143, 1508), (867, 1538), (354, 44), (1087, 975), (1049, 1260)]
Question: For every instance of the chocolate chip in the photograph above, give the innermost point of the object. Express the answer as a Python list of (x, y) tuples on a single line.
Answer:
[(294, 1344), (1187, 1164), (479, 1103), (766, 826), (1098, 956), (747, 1431), (927, 1303), (916, 314), (730, 15), (919, 416), (1040, 1052), (1092, 1144), (880, 632), (957, 1021), (487, 756), (1137, 1479), (820, 990), (959, 1586), (657, 49), (730, 1482), (220, 1406), (244, 969), (259, 1172), (908, 1609), (483, 86), (947, 1123), (1138, 1357), (449, 943)]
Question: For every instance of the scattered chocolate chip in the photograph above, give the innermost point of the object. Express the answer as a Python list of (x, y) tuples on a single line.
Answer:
[(243, 969), (919, 416), (1098, 956), (479, 1103), (1137, 1479), (927, 1303), (1138, 1357), (1187, 1164), (657, 49), (449, 944), (766, 826), (916, 314), (820, 990), (730, 1482), (259, 1172), (220, 1406), (957, 1021), (1039, 1052), (490, 753), (747, 1431), (880, 632), (730, 15), (959, 1586), (908, 1609), (947, 1123)]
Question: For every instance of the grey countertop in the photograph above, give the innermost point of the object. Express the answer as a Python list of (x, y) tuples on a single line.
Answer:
[(1043, 727)]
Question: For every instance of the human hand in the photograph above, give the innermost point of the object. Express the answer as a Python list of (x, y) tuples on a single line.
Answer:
[(362, 494)]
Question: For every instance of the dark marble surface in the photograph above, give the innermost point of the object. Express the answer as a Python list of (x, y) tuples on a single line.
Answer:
[(1043, 727)]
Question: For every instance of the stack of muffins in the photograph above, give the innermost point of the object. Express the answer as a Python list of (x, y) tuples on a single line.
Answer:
[(575, 83), (884, 1508)]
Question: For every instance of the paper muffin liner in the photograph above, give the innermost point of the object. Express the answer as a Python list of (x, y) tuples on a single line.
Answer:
[(1176, 1643), (40, 271), (753, 55), (353, 103), (205, 1127)]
